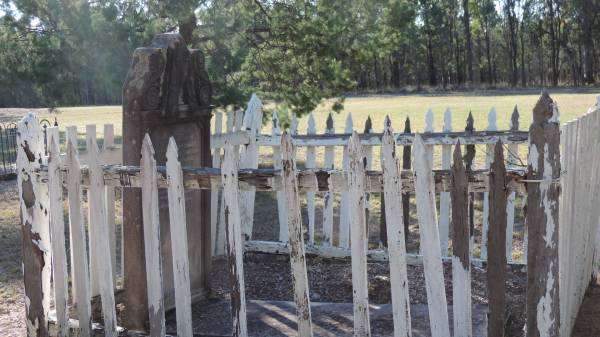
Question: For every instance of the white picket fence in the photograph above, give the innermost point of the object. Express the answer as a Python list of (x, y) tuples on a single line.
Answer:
[(244, 130), (42, 177)]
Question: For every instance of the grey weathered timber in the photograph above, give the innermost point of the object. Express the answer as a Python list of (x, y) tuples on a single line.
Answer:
[(314, 180), (461, 264), (296, 237), (543, 170), (35, 220), (496, 271), (166, 93), (234, 243), (406, 162)]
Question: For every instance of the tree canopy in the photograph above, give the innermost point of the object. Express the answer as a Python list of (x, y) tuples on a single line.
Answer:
[(76, 52)]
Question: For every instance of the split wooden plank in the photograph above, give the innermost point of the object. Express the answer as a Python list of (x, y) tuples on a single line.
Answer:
[(90, 138), (311, 157), (179, 242), (395, 236), (344, 229), (430, 241), (156, 309), (461, 255), (234, 247), (496, 268), (383, 240), (79, 257), (356, 194), (429, 129), (71, 136), (513, 158), (328, 197), (35, 220), (57, 231), (280, 195), (99, 233), (296, 238), (214, 194), (469, 157), (489, 157), (543, 311), (445, 196), (107, 145), (249, 159)]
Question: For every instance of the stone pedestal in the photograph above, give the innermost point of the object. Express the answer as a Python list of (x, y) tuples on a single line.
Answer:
[(166, 93)]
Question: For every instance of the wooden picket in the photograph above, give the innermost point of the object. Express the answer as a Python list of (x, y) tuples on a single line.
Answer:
[(328, 197), (445, 196), (152, 239), (461, 255), (430, 240), (311, 158), (356, 202), (215, 227), (234, 248), (179, 242), (107, 144), (489, 156), (79, 258), (281, 209), (395, 236), (101, 258), (296, 237), (344, 229), (513, 157)]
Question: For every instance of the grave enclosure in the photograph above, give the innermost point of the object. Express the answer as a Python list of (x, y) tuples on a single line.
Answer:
[(561, 230)]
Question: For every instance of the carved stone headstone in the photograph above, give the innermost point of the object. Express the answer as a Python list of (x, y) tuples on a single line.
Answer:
[(167, 93)]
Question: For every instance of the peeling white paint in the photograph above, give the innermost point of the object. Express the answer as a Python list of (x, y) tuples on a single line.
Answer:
[(533, 157), (544, 307), (547, 204)]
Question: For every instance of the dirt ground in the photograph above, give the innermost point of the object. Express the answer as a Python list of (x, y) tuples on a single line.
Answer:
[(269, 277)]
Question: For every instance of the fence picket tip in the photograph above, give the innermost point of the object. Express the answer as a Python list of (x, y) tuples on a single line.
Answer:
[(368, 125), (429, 120), (329, 123), (387, 122), (172, 149), (514, 119), (311, 128), (492, 119)]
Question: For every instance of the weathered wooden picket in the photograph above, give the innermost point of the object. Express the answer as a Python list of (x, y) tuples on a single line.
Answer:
[(553, 297), (251, 137)]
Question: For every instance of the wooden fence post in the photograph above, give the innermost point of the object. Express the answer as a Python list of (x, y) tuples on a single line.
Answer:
[(34, 206), (445, 196), (99, 233), (461, 255), (430, 240), (489, 157), (328, 197), (356, 200), (513, 157), (469, 156), (344, 231), (496, 266), (311, 157), (296, 237), (281, 210), (249, 159), (57, 229), (90, 138), (543, 170), (79, 257), (154, 277), (235, 246), (395, 234), (179, 242)]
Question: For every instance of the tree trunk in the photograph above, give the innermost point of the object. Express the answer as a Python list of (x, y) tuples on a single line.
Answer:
[(468, 42)]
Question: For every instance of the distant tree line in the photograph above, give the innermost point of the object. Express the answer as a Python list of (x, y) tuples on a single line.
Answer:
[(77, 52)]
